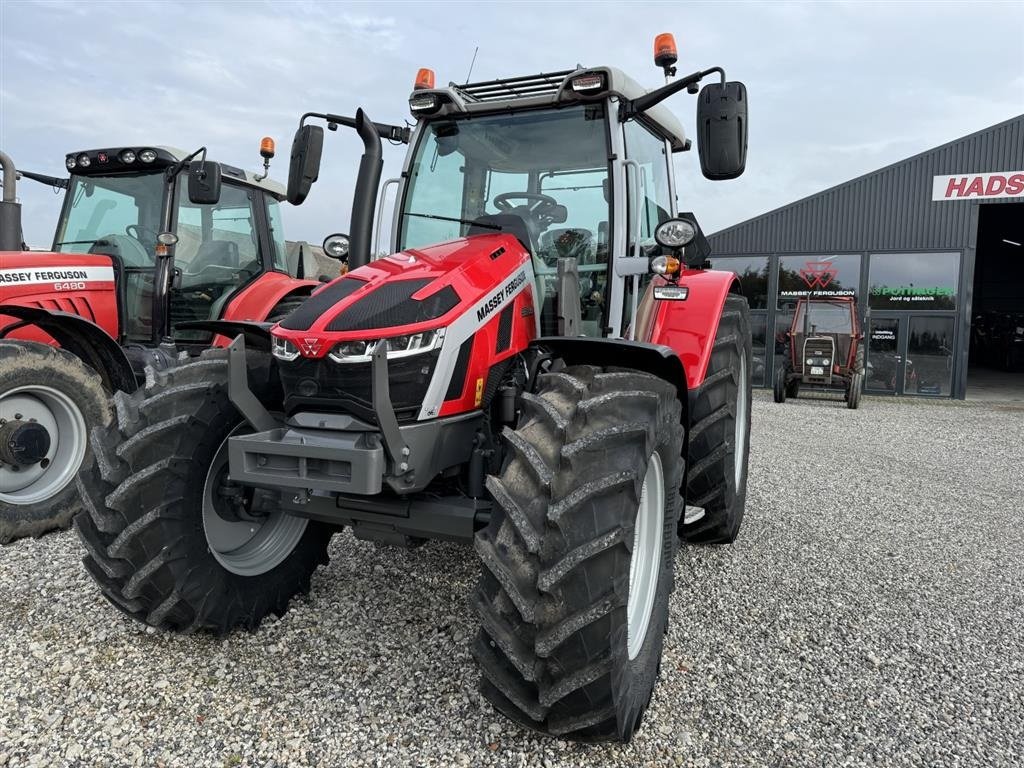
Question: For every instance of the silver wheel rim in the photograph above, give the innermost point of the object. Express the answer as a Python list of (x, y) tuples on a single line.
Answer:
[(742, 404), (246, 548), (645, 563), (65, 422)]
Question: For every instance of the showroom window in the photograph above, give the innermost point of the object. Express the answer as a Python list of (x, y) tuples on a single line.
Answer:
[(753, 274), (915, 281), (818, 277)]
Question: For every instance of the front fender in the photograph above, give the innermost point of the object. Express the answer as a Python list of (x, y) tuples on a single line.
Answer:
[(83, 339), (687, 326), (258, 299)]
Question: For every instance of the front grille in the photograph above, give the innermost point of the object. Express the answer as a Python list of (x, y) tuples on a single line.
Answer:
[(820, 352), (325, 385)]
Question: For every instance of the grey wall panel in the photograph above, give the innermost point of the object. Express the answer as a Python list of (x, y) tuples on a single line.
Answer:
[(889, 209)]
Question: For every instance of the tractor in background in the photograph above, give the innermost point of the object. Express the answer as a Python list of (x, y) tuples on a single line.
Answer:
[(541, 368), (148, 237), (824, 350)]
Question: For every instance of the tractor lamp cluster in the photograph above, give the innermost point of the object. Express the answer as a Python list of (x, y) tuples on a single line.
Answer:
[(361, 351), (125, 156), (674, 235)]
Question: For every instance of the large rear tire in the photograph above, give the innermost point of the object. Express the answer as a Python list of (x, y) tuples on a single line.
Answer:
[(577, 560), (720, 432), (48, 400), (170, 541)]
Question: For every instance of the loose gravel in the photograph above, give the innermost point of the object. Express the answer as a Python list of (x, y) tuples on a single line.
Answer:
[(871, 613)]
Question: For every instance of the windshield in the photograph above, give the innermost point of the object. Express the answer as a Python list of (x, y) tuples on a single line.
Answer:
[(547, 169), (825, 317), (119, 213)]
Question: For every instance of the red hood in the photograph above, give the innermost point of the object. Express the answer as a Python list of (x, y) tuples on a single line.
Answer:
[(408, 292)]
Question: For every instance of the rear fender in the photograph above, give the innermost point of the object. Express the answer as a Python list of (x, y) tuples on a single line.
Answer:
[(658, 360), (83, 339), (687, 326)]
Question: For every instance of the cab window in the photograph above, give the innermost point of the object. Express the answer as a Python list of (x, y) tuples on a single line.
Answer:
[(280, 255)]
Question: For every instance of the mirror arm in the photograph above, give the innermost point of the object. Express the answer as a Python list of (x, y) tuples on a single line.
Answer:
[(658, 95), (174, 169), (384, 130)]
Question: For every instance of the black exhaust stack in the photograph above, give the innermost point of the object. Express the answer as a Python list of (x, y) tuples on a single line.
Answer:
[(10, 209), (364, 198)]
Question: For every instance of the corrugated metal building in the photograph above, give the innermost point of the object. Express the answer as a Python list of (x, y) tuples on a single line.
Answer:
[(931, 247)]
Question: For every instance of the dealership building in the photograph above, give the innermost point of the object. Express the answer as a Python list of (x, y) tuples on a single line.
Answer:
[(932, 247)]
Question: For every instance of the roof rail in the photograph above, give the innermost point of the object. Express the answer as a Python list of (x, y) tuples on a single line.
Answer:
[(544, 84)]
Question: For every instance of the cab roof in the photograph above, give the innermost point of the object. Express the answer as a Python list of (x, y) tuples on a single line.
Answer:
[(553, 89)]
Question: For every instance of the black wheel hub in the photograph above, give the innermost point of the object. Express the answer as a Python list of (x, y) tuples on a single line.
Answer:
[(23, 443)]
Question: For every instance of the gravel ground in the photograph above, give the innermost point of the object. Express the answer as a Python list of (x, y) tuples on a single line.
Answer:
[(870, 614)]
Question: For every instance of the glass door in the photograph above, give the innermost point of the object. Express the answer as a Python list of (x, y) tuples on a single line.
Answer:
[(885, 370), (929, 355)]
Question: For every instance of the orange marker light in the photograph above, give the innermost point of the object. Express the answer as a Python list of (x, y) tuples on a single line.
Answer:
[(267, 147), (665, 51), (424, 79)]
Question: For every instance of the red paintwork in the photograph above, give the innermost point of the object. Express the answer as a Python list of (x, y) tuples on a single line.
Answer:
[(464, 264), (97, 303), (259, 298), (689, 326), (797, 322)]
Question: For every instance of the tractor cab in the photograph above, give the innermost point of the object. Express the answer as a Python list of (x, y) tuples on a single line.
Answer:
[(138, 205)]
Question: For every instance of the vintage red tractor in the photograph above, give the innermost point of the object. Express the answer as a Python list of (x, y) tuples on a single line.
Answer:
[(824, 350), (541, 368), (148, 237)]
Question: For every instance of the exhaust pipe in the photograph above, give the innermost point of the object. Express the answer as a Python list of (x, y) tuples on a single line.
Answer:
[(364, 199), (10, 209)]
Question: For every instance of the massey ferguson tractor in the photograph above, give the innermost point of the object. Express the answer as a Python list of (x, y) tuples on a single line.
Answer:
[(825, 350), (537, 369), (147, 237)]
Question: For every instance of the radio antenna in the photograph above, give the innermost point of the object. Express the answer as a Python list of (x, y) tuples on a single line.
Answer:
[(468, 74)]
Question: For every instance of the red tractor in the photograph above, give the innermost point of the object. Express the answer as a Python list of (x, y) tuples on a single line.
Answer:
[(824, 350), (147, 238), (538, 369)]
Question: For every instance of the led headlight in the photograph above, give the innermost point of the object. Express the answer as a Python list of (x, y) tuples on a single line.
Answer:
[(147, 155), (674, 233), (424, 103), (398, 346), (83, 160), (70, 162), (127, 156), (283, 349)]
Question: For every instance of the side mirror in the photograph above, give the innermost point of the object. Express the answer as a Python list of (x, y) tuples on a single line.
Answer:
[(722, 130), (336, 246), (304, 166), (204, 182)]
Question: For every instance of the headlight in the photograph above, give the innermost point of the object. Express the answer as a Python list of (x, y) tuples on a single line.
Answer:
[(810, 361), (398, 346), (69, 161), (674, 233), (424, 104), (127, 156), (83, 160), (283, 349), (147, 155)]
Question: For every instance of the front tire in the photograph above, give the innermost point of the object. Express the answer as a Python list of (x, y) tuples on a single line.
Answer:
[(577, 560), (720, 432), (170, 541), (45, 387), (779, 386), (854, 390)]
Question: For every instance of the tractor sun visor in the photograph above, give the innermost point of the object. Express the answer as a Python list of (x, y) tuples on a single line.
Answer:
[(118, 160)]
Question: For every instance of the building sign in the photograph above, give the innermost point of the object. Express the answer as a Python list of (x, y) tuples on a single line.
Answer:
[(978, 185), (929, 294), (817, 277)]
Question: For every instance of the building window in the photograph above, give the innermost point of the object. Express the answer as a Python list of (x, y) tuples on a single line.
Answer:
[(817, 277), (913, 281), (753, 274)]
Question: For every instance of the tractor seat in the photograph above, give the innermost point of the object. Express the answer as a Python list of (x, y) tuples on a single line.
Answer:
[(569, 242), (221, 253), (510, 223)]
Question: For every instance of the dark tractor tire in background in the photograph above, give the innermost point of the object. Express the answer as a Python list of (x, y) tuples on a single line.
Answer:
[(719, 449), (793, 388), (779, 386), (168, 540), (853, 391), (858, 359), (571, 625), (49, 403)]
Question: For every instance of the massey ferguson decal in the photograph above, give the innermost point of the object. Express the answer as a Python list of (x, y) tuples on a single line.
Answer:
[(976, 185), (56, 276), (818, 274), (497, 299)]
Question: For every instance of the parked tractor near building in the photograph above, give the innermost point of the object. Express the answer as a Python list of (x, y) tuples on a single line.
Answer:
[(825, 350), (147, 238), (539, 369)]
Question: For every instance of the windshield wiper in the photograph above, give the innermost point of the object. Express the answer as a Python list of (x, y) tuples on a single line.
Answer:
[(471, 222), (82, 242)]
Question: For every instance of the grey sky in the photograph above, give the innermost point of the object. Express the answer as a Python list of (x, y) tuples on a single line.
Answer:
[(836, 89)]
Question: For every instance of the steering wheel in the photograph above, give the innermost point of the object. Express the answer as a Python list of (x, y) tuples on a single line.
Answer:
[(137, 234), (538, 202)]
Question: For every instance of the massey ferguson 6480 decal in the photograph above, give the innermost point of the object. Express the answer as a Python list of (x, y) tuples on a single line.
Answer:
[(55, 276), (965, 186)]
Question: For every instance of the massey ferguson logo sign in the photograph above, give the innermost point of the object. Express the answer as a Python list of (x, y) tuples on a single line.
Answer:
[(818, 274), (309, 347), (977, 185)]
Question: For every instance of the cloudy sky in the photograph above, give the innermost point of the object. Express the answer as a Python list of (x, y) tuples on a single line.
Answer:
[(836, 89)]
